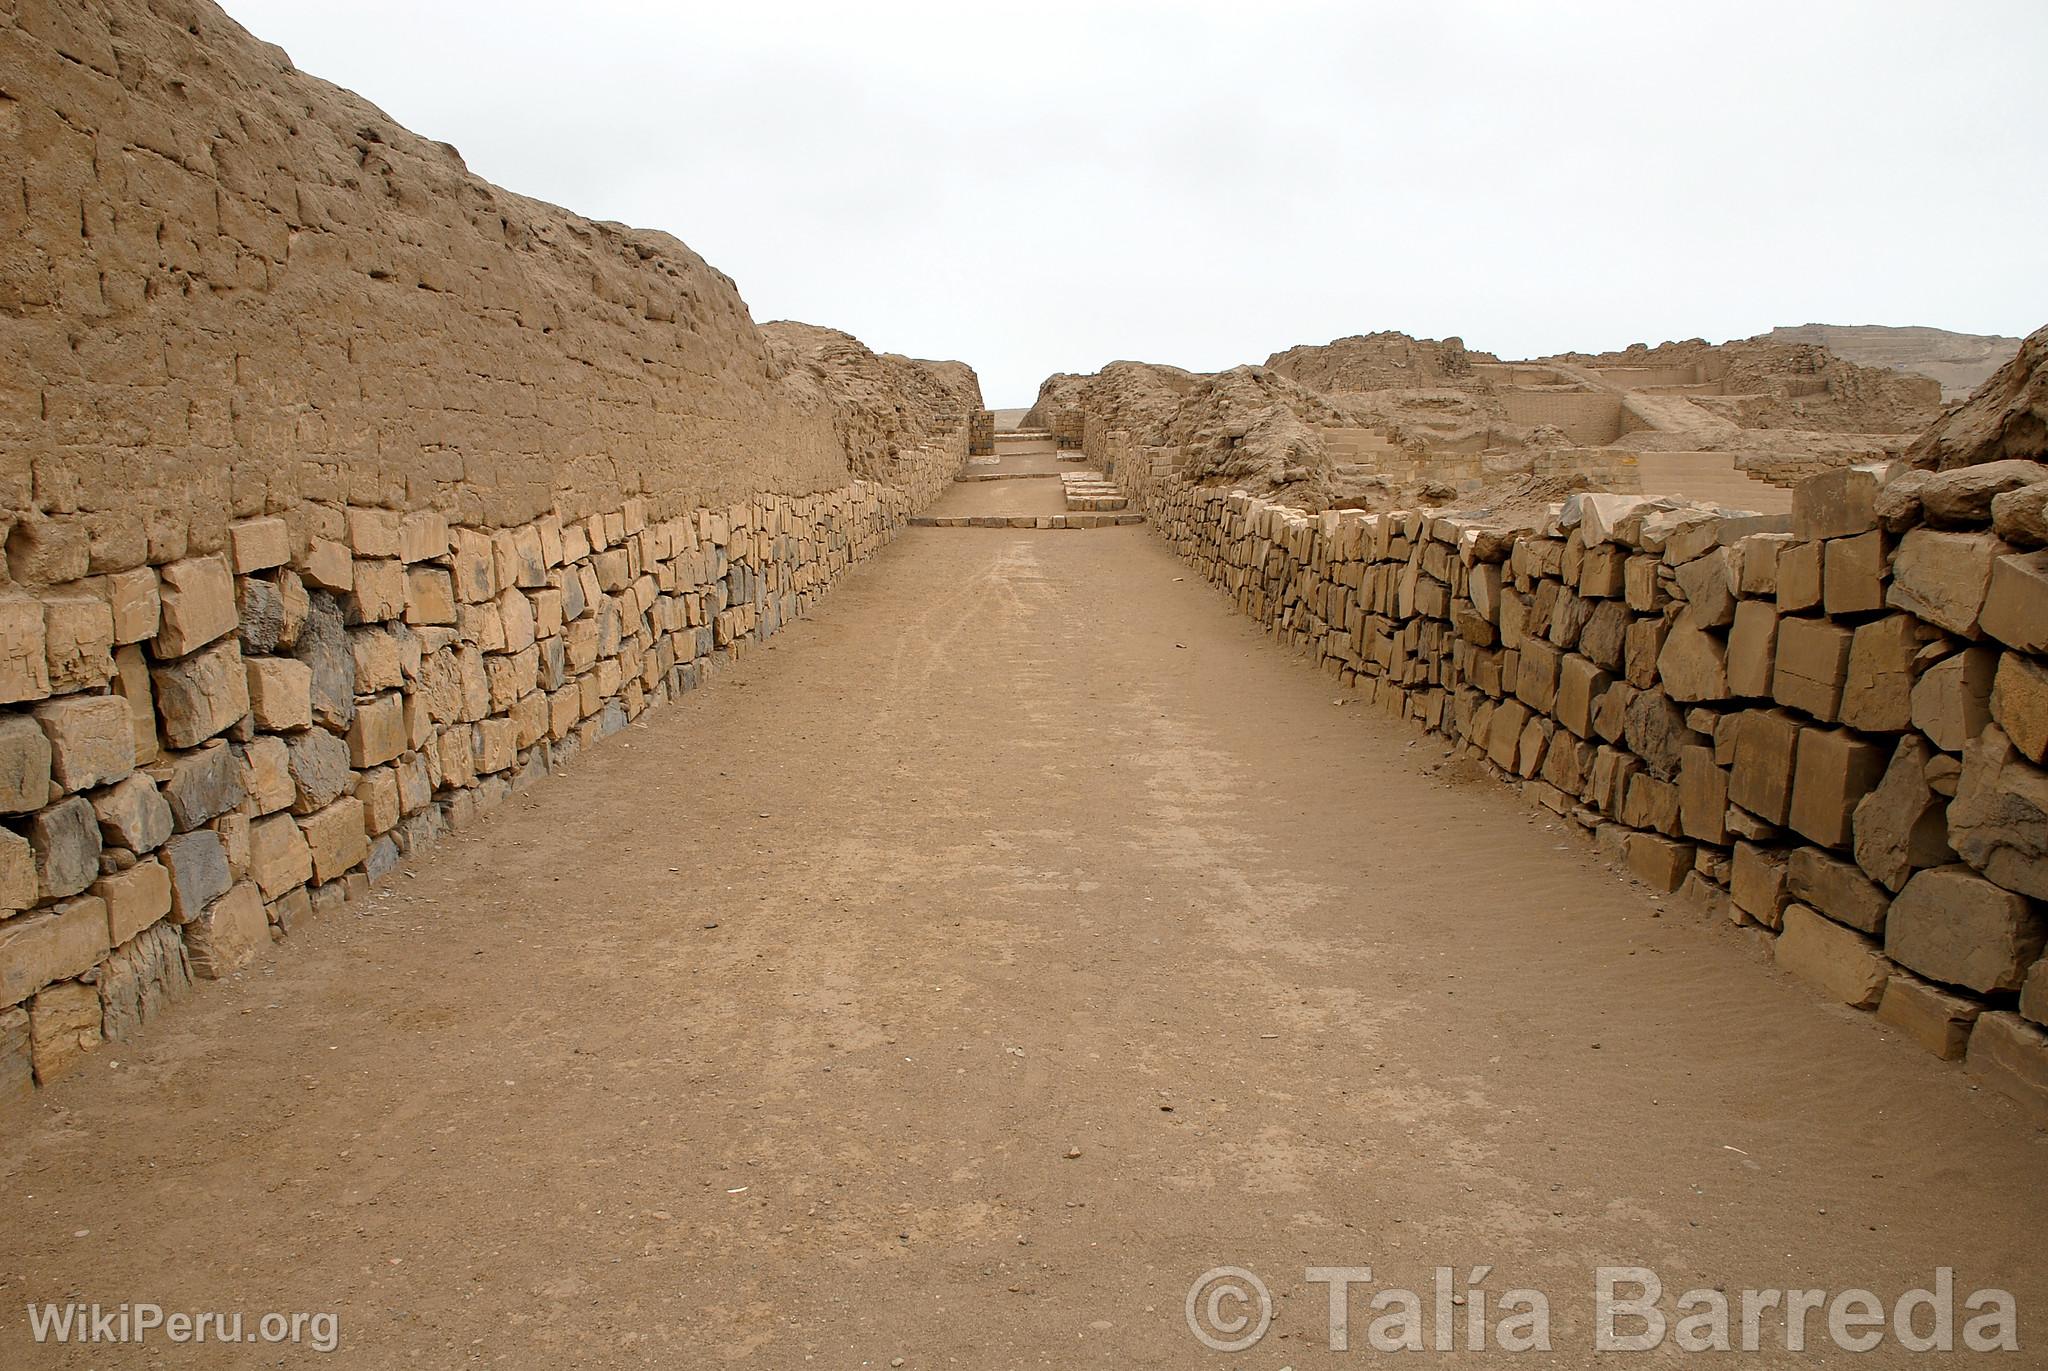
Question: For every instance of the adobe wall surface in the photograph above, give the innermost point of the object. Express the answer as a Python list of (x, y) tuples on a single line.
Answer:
[(1829, 728), (347, 494)]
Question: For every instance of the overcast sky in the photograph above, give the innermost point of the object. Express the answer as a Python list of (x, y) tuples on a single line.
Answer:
[(1048, 187)]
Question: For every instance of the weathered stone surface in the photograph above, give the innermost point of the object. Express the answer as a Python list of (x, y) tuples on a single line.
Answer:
[(1656, 732), (197, 605), (423, 536), (1853, 573), (1929, 1015), (1877, 695), (2034, 994), (1702, 796), (2021, 516), (1898, 501), (198, 863), (66, 839), (1962, 498), (1836, 504), (1766, 747), (1835, 769), (17, 1072), (2016, 602), (141, 979), (2019, 704), (200, 785), (278, 856), (78, 636), (1709, 586), (337, 837), (1693, 664), (280, 693), (1812, 665), (258, 544), (92, 740), (24, 765), (230, 932), (2011, 1055), (323, 645), (24, 659), (1837, 889), (1757, 883), (1943, 577), (429, 596), (1998, 821), (1752, 648), (1952, 698), (133, 814), (201, 695), (1840, 961), (1659, 863), (378, 733), (319, 767), (135, 898), (373, 532), (1953, 926), (266, 774), (133, 604), (132, 684), (1901, 826), (51, 944), (20, 886), (64, 1025)]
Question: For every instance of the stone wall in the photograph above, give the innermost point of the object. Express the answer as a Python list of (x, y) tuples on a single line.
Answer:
[(344, 495), (1828, 728)]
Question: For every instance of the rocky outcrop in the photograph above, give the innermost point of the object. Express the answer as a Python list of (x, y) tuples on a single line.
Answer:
[(2007, 417)]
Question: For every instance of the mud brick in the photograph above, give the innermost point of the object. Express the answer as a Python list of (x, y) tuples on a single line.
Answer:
[(78, 638), (1951, 925), (2012, 1055), (280, 693), (1836, 504), (204, 694), (1852, 574), (48, 945), (1929, 1015), (1766, 746), (1943, 577), (197, 601), (64, 1025), (132, 602), (24, 764), (133, 814), (2016, 602), (24, 657), (1812, 664), (229, 933), (200, 785), (1757, 883), (259, 544), (337, 837), (1659, 863), (135, 899), (278, 856), (1834, 770), (2019, 704), (1840, 961), (1799, 577)]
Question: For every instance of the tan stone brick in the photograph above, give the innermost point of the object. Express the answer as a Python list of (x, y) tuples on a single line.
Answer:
[(1852, 573), (1943, 577), (24, 764), (378, 790), (65, 940), (1766, 745), (1799, 577), (2016, 602), (474, 564), (92, 740), (1834, 770), (1752, 648), (135, 899), (1952, 699), (132, 603), (1812, 665), (131, 683), (1841, 962), (496, 745), (1998, 821), (328, 564), (230, 932), (1878, 694), (373, 532), (1693, 663), (24, 657), (2011, 1055), (280, 693), (2019, 704), (1836, 504), (1901, 826), (64, 1025), (1836, 888), (423, 537), (1657, 862), (1929, 1015), (259, 544), (337, 837), (378, 733), (78, 637), (198, 605), (379, 591), (202, 695), (278, 856), (1756, 883), (1951, 925), (133, 814), (429, 596)]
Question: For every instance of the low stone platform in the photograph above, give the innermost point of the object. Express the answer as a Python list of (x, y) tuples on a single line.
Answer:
[(1024, 520), (1091, 491)]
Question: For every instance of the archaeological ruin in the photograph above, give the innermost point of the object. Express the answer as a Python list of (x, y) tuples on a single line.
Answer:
[(448, 641)]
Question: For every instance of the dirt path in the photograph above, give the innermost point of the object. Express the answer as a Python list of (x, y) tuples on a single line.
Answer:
[(769, 1034)]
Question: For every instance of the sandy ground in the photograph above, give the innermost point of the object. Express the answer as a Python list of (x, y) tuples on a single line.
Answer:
[(956, 979)]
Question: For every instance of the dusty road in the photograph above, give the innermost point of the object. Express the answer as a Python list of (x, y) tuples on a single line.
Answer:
[(954, 981)]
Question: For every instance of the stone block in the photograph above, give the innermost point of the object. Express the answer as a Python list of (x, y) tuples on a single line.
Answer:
[(266, 774), (1812, 666), (1642, 644), (2034, 994), (135, 899), (1659, 863), (1580, 684), (1877, 696), (230, 932), (1953, 926), (1752, 648), (497, 747), (2011, 1055), (2019, 704), (198, 863), (1901, 826), (1952, 698), (1834, 770), (20, 886), (1702, 796), (337, 837), (379, 591), (92, 740), (204, 694), (378, 790), (133, 814), (280, 693), (278, 856), (474, 563), (2016, 602), (1963, 496), (1852, 574), (200, 785), (373, 532), (66, 839), (429, 596), (78, 638), (24, 657), (24, 765), (259, 544), (1709, 586), (1693, 663), (319, 764), (378, 733), (53, 944), (133, 604), (1929, 1015), (328, 565), (1839, 961), (64, 1025), (1766, 746), (1757, 883), (1998, 821), (1943, 577), (1837, 889), (197, 605), (1536, 676), (1799, 577), (141, 979), (1836, 504), (2021, 516), (131, 683), (422, 537)]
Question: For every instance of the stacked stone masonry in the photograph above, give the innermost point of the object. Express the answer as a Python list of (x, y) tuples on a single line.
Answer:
[(1830, 727)]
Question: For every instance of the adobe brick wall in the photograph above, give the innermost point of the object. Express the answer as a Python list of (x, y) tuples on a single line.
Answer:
[(345, 494), (1829, 728)]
